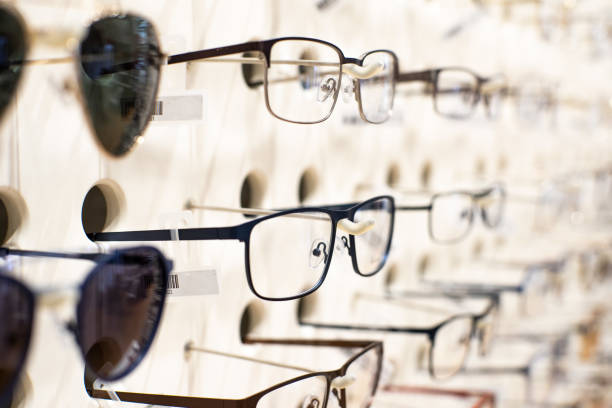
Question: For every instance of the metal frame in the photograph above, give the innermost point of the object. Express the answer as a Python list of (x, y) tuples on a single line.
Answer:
[(341, 216), (100, 259), (333, 379)]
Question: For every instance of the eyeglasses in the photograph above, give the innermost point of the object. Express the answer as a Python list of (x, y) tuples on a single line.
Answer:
[(456, 91), (119, 61), (449, 340), (352, 385), (451, 214), (118, 66), (542, 371), (302, 77), (117, 315), (477, 399), (302, 240)]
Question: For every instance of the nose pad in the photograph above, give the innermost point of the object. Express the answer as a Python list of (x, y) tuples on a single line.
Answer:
[(348, 91), (318, 253), (342, 244), (327, 88), (310, 401)]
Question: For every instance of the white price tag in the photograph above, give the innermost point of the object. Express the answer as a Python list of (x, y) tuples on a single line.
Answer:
[(193, 283)]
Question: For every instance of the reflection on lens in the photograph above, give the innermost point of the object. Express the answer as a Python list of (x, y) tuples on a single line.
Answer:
[(119, 310), (376, 93), (492, 206), (120, 62), (450, 217), (450, 347), (372, 246), (456, 92), (289, 254), (16, 308), (303, 80), (363, 379), (307, 393), (13, 49)]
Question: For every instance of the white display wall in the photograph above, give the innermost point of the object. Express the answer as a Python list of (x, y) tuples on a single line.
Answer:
[(49, 161)]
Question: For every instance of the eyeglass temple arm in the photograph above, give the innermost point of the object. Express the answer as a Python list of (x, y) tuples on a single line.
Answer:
[(189, 347), (417, 76), (348, 226), (476, 288), (180, 234), (94, 257), (485, 396), (308, 342), (393, 329), (165, 400), (403, 303)]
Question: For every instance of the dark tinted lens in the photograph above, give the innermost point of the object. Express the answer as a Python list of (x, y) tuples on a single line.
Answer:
[(16, 309), (119, 310), (12, 53), (120, 62)]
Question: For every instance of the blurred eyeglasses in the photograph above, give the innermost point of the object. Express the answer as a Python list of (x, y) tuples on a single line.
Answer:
[(452, 213), (354, 384), (457, 91), (302, 77), (466, 398), (533, 100), (284, 251), (449, 339)]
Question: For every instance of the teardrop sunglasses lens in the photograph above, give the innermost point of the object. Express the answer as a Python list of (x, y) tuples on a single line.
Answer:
[(120, 60), (119, 310), (17, 308), (13, 48)]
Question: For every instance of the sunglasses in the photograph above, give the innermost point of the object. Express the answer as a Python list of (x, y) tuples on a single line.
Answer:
[(118, 68), (118, 65), (288, 253), (352, 385), (117, 315)]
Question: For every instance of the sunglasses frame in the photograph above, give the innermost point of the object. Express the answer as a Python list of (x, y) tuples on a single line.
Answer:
[(242, 233), (252, 400), (75, 58), (101, 260)]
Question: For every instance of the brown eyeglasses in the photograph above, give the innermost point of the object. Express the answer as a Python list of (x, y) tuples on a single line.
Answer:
[(353, 384), (479, 399)]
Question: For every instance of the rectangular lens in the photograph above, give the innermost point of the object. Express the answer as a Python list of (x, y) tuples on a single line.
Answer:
[(308, 392), (362, 375), (376, 93), (492, 206), (450, 347), (288, 254), (455, 94), (303, 80), (450, 217), (371, 247)]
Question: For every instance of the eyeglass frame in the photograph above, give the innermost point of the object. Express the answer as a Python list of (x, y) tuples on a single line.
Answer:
[(475, 197), (429, 332), (430, 76), (242, 233), (485, 398), (99, 259), (252, 400), (265, 47)]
